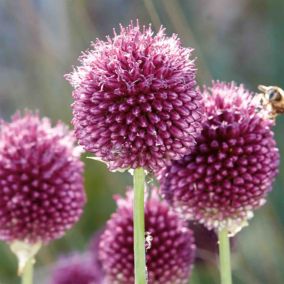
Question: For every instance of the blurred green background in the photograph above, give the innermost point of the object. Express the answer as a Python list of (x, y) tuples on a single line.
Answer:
[(241, 40)]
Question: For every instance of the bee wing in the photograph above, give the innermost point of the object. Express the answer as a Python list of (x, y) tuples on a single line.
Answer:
[(258, 99), (263, 88)]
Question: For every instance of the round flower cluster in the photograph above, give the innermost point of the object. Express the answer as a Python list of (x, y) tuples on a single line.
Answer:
[(232, 166), (76, 269), (41, 183), (169, 244), (135, 103)]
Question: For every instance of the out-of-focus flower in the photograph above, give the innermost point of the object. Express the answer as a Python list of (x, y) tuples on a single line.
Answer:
[(94, 251), (169, 244), (135, 103), (206, 241), (41, 183), (233, 165), (76, 269)]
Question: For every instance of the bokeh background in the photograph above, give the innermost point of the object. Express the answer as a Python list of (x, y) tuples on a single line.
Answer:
[(241, 40)]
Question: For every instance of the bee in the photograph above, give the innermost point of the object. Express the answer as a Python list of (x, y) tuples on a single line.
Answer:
[(272, 98)]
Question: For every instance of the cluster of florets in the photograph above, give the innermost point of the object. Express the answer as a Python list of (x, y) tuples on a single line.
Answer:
[(232, 167), (41, 183), (134, 99), (170, 244), (76, 269)]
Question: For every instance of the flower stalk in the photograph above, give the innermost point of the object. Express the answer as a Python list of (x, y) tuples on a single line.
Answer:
[(139, 227), (225, 258), (27, 276), (25, 253)]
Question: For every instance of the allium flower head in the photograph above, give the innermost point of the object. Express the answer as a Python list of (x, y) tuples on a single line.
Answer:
[(233, 165), (41, 184), (169, 244), (135, 103), (76, 269)]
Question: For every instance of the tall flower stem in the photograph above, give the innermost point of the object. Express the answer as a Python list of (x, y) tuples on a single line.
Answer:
[(225, 258), (25, 253), (27, 276), (139, 227)]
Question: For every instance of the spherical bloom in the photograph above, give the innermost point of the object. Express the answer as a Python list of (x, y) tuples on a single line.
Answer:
[(135, 103), (76, 269), (169, 244), (41, 183), (233, 165)]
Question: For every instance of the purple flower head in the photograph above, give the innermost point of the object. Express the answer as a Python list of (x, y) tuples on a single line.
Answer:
[(233, 165), (41, 183), (169, 244), (76, 269), (135, 103)]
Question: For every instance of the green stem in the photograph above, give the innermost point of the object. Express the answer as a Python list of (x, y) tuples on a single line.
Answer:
[(224, 255), (139, 227), (27, 276)]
